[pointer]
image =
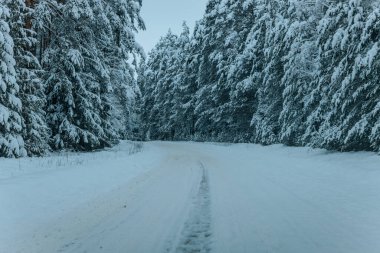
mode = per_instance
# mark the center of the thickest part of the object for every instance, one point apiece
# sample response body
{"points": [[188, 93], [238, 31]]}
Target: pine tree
{"points": [[338, 34], [299, 71], [242, 96], [156, 88], [11, 141], [28, 70], [269, 94], [144, 80], [357, 100], [233, 26], [246, 73], [190, 85], [209, 90], [181, 123], [163, 92], [122, 54], [44, 13], [77, 80]]}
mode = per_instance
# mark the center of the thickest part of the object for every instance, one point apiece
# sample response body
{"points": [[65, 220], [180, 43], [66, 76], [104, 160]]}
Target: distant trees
{"points": [[270, 71], [67, 74]]}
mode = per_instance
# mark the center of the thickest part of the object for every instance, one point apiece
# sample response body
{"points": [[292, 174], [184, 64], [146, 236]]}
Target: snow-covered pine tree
{"points": [[164, 92], [44, 13], [77, 79], [246, 73], [122, 55], [299, 70], [102, 32], [226, 25], [144, 81], [239, 67], [190, 85], [338, 35], [341, 116], [158, 80], [207, 124], [11, 141], [222, 41], [231, 28], [178, 120], [139, 131], [269, 94], [28, 70], [357, 100]]}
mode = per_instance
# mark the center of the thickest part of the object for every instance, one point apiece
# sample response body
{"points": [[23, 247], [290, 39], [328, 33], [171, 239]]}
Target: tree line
{"points": [[301, 73], [67, 74]]}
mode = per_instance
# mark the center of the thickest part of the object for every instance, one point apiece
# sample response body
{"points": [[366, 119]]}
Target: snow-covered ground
{"points": [[190, 197]]}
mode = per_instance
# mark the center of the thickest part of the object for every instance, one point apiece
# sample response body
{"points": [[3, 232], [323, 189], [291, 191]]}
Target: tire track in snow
{"points": [[196, 233]]}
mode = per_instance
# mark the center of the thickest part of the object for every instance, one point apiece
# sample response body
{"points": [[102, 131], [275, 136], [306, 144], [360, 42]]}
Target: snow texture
{"points": [[191, 197]]}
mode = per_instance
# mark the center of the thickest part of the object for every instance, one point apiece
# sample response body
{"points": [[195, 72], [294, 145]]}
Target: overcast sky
{"points": [[160, 15]]}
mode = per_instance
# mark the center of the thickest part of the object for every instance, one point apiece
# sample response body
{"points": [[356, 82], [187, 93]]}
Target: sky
{"points": [[160, 15]]}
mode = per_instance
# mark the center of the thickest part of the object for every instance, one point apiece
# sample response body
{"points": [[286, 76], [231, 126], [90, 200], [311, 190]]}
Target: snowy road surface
{"points": [[188, 197]]}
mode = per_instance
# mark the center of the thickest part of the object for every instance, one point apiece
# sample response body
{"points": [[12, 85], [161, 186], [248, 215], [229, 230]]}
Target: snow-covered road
{"points": [[190, 197]]}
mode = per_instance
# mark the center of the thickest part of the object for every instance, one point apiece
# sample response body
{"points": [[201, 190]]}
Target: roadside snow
{"points": [[190, 197]]}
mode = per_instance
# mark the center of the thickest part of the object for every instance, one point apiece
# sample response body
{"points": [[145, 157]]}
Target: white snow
{"points": [[190, 197]]}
